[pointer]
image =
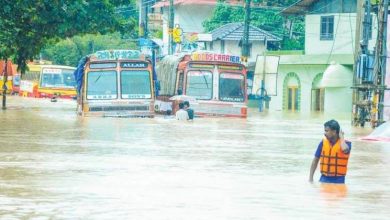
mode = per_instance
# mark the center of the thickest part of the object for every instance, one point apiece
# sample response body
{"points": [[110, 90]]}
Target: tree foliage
{"points": [[27, 26], [69, 51], [264, 17]]}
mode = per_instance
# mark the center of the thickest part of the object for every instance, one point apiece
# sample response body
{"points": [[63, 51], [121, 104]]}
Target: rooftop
{"points": [[234, 31], [298, 8]]}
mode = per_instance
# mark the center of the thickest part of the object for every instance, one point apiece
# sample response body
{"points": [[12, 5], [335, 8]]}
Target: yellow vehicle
{"points": [[115, 83], [48, 81]]}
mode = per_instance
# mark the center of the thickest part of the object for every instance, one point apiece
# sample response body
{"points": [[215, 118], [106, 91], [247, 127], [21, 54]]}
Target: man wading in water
{"points": [[333, 152]]}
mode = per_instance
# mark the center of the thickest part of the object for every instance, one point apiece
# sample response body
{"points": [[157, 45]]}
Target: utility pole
{"points": [[170, 27], [5, 79], [146, 20], [140, 19], [143, 18], [245, 37], [383, 59], [370, 69]]}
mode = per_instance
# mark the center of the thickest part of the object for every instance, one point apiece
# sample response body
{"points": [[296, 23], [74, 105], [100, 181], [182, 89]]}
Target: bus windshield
{"points": [[102, 85], [135, 84], [57, 78], [199, 84], [231, 87]]}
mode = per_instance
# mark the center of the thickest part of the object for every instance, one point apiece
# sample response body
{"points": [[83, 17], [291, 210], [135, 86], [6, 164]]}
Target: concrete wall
{"points": [[189, 17], [231, 47], [344, 34], [338, 100], [306, 75]]}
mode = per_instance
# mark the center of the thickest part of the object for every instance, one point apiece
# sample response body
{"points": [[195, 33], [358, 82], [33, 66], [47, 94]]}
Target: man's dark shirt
{"points": [[190, 114]]}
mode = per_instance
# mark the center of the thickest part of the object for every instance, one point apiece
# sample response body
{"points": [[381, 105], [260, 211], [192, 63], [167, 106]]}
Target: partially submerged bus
{"points": [[115, 83], [48, 81], [215, 84]]}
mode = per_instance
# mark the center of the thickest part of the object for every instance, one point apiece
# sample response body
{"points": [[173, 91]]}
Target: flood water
{"points": [[57, 165]]}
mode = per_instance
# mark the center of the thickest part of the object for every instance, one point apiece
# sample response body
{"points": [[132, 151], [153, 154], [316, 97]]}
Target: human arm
{"points": [[344, 146], [313, 168]]}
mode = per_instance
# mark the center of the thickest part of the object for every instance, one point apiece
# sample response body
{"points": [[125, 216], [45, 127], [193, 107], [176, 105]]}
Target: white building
{"points": [[301, 84], [189, 15], [227, 38]]}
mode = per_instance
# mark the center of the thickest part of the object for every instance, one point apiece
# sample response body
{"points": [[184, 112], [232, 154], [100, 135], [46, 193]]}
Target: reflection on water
{"points": [[55, 165]]}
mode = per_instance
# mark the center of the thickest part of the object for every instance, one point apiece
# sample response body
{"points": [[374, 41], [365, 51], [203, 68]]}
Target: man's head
{"points": [[186, 104], [332, 129], [181, 105]]}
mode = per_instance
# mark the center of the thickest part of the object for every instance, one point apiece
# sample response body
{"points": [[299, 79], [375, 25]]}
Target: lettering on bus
{"points": [[134, 65], [116, 54], [136, 96], [52, 71], [230, 67], [215, 57], [201, 66]]}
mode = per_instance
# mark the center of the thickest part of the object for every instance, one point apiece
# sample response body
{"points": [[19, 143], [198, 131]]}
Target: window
{"points": [[327, 27], [136, 84], [231, 87], [199, 84], [62, 79], [222, 46], [102, 85]]}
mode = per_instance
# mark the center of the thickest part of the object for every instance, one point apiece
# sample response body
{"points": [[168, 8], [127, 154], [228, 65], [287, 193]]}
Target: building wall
{"points": [[306, 75], [189, 17], [232, 47], [344, 34], [335, 99], [338, 100]]}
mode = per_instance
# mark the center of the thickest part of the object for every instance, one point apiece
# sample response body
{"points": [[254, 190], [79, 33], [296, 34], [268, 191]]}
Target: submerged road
{"points": [[57, 165]]}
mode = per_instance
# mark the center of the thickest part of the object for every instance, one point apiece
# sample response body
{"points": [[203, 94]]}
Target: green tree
{"points": [[27, 26], [69, 51], [265, 16]]}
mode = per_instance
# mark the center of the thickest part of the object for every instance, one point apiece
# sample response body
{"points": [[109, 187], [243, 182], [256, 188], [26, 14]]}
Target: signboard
{"points": [[230, 67], [266, 69], [232, 76], [136, 96], [52, 71], [102, 65], [215, 57], [134, 65], [116, 55], [195, 65], [26, 86]]}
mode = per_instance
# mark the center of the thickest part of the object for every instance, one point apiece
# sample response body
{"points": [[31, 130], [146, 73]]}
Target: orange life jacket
{"points": [[333, 160]]}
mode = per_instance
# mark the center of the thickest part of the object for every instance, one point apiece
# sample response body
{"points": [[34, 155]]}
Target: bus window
{"points": [[102, 85], [199, 84], [57, 78], [135, 84], [180, 83], [231, 87], [69, 80]]}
